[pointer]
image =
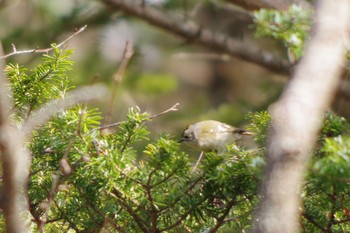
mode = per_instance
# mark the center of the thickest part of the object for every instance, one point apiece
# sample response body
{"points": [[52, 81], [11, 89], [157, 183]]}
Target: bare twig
{"points": [[15, 162], [194, 32], [198, 161], [47, 205], [298, 115], [172, 109], [16, 52], [118, 77]]}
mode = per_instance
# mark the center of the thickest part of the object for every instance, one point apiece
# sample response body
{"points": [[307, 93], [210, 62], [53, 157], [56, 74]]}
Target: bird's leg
{"points": [[198, 161]]}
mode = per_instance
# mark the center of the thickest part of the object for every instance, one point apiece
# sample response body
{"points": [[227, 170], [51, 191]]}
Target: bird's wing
{"points": [[223, 128]]}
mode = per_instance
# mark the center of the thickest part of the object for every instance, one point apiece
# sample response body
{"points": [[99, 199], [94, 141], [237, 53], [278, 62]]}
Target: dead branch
{"points": [[118, 77], [191, 31], [297, 118], [270, 4], [172, 109], [16, 52]]}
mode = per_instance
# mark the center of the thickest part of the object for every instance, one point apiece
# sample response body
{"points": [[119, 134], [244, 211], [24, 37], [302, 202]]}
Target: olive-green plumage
{"points": [[211, 135]]}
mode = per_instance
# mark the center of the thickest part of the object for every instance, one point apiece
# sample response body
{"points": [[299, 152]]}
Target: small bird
{"points": [[211, 135]]}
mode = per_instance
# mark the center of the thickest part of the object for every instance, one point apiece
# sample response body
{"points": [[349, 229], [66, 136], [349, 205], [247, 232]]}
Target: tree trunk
{"points": [[297, 118]]}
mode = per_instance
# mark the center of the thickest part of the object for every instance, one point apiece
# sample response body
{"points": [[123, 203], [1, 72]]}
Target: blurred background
{"points": [[165, 69]]}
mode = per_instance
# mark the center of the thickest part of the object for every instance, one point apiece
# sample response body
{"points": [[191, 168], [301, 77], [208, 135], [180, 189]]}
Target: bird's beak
{"points": [[247, 133], [182, 139], [242, 132]]}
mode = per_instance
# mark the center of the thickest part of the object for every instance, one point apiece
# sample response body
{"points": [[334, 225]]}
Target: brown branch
{"points": [[139, 182], [165, 179], [100, 213], [188, 190], [16, 52], [66, 218], [124, 204], [172, 109], [238, 217], [297, 118], [270, 4], [153, 212], [333, 210], [197, 162], [311, 220], [128, 53], [184, 215], [221, 219], [56, 180], [15, 162], [47, 206], [193, 32]]}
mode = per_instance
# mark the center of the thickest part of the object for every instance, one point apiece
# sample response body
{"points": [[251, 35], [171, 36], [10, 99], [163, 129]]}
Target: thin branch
{"points": [[100, 213], [238, 217], [43, 219], [124, 204], [16, 52], [311, 220], [184, 215], [193, 32], [333, 210], [176, 200], [139, 182], [172, 109], [153, 212], [221, 219], [165, 178], [198, 161], [66, 218], [118, 77], [56, 178]]}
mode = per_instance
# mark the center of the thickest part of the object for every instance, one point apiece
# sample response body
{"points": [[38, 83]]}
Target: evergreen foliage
{"points": [[290, 27], [83, 180]]}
